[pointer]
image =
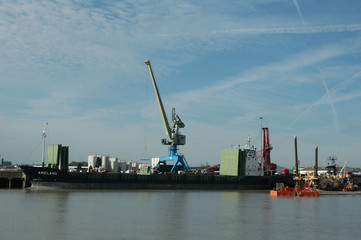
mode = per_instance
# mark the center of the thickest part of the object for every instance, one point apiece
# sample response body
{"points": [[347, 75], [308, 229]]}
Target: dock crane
{"points": [[174, 138], [266, 151]]}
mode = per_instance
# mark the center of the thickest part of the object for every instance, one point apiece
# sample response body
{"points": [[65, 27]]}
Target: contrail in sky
{"points": [[335, 89], [335, 117], [334, 112], [299, 11], [275, 30]]}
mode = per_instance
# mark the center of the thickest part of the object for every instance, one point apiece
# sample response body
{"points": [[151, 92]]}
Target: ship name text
{"points": [[47, 173]]}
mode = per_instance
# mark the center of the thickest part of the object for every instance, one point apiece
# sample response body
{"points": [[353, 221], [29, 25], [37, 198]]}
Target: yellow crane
{"points": [[174, 138]]}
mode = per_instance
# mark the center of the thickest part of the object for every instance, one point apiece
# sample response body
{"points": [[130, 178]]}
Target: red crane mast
{"points": [[266, 151]]}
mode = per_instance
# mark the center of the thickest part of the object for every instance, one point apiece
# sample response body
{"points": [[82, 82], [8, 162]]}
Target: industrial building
{"points": [[107, 163], [5, 163]]}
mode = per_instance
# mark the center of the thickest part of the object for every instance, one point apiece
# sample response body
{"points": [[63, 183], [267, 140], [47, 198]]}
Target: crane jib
{"points": [[160, 104]]}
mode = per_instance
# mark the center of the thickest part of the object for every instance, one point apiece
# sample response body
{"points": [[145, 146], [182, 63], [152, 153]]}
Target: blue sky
{"points": [[79, 65]]}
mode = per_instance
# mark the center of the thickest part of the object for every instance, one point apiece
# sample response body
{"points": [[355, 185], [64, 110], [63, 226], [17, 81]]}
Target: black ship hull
{"points": [[42, 177]]}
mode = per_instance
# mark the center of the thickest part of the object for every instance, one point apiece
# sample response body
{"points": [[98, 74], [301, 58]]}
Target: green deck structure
{"points": [[233, 162], [58, 156]]}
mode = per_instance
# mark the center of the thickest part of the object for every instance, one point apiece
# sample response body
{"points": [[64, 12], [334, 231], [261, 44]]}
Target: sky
{"points": [[79, 66]]}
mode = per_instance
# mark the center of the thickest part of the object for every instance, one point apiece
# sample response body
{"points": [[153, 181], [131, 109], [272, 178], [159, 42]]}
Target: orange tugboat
{"points": [[282, 191], [304, 191]]}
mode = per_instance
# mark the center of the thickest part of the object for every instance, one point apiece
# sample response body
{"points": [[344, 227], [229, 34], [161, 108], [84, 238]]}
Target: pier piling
{"points": [[11, 179]]}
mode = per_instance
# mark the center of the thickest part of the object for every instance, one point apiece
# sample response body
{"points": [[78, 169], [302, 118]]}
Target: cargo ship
{"points": [[44, 177], [239, 170]]}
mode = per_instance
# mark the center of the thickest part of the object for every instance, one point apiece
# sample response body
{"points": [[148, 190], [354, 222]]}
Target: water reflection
{"points": [[174, 215], [47, 213]]}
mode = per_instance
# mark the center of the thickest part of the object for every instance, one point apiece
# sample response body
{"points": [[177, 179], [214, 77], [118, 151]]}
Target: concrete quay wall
{"points": [[12, 179]]}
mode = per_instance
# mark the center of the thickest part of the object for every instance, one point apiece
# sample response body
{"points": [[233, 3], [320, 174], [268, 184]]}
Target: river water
{"points": [[40, 214]]}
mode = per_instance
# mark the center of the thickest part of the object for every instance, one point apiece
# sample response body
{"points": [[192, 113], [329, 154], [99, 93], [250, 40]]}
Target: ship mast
{"points": [[43, 149]]}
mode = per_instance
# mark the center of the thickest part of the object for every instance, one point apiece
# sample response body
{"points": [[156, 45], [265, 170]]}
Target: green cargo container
{"points": [[242, 162], [58, 156], [233, 162], [144, 170]]}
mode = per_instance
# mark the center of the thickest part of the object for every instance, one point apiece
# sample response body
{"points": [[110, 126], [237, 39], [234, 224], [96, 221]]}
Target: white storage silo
{"points": [[105, 163], [155, 162], [114, 164], [123, 166], [92, 161]]}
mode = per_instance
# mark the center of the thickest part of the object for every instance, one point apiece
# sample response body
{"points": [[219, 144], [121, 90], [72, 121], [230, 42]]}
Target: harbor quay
{"points": [[13, 179]]}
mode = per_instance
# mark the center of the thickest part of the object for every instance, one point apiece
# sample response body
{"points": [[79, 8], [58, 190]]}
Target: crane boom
{"points": [[344, 166], [160, 105]]}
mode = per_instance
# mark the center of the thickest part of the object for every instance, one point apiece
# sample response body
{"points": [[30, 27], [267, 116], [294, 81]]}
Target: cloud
{"points": [[260, 73]]}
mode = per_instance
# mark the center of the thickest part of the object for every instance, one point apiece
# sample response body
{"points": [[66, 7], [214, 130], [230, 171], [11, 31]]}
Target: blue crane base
{"points": [[173, 156]]}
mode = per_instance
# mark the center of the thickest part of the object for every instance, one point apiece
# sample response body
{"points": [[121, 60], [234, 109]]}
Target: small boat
{"points": [[307, 192], [282, 191]]}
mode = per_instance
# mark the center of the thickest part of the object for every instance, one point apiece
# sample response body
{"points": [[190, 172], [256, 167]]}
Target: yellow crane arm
{"points": [[160, 104]]}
